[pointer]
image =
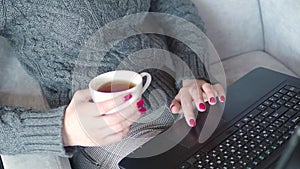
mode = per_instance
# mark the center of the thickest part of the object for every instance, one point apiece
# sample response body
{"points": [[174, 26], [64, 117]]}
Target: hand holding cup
{"points": [[109, 117]]}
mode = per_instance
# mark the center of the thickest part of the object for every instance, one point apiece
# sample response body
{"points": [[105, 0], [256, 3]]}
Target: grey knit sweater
{"points": [[48, 36]]}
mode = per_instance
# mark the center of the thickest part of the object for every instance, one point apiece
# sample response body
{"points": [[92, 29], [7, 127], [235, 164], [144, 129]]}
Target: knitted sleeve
{"points": [[197, 64], [23, 130]]}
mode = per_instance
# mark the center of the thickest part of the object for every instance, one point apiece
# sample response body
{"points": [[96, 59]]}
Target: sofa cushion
{"points": [[281, 19], [233, 26], [237, 66]]}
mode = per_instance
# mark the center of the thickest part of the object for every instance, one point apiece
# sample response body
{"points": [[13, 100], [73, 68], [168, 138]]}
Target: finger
{"points": [[112, 138], [130, 113], [197, 95], [82, 95], [108, 105], [95, 133], [107, 132], [220, 92], [187, 108], [121, 126], [175, 106], [119, 136], [209, 92], [134, 111], [90, 115]]}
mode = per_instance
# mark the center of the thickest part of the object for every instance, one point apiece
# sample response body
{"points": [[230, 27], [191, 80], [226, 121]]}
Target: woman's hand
{"points": [[196, 92], [86, 123]]}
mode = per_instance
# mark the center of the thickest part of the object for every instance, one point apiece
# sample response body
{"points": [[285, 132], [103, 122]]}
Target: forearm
{"points": [[23, 130], [193, 61], [180, 8]]}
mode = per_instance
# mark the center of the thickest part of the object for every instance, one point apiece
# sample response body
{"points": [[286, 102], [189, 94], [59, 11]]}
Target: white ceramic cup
{"points": [[119, 75]]}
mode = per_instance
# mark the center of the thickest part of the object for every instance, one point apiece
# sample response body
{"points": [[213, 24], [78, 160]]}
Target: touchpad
{"points": [[207, 123]]}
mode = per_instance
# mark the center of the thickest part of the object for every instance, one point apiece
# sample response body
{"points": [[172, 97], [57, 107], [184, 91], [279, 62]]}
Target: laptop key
{"points": [[267, 112], [291, 94], [294, 101], [184, 165], [220, 148], [283, 129], [292, 88], [297, 108], [246, 119], [270, 140], [192, 161], [280, 142], [286, 98], [273, 99], [281, 110], [265, 134], [276, 135], [267, 151], [239, 124], [283, 91], [289, 105], [275, 106], [267, 103], [290, 113], [283, 119], [199, 155], [255, 162], [277, 123], [280, 101], [278, 95], [289, 125], [296, 119], [270, 119], [259, 118], [264, 124], [261, 107], [262, 156]]}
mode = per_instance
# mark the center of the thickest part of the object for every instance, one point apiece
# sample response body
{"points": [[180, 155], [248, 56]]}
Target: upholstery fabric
{"points": [[233, 26], [35, 161], [237, 66], [281, 20]]}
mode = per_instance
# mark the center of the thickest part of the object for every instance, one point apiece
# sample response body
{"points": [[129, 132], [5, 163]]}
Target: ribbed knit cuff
{"points": [[42, 132], [194, 72]]}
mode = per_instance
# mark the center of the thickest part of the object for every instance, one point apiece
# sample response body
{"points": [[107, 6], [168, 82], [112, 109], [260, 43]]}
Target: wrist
{"points": [[65, 127]]}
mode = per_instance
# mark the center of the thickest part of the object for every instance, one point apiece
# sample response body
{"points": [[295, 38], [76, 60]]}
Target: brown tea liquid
{"points": [[116, 86]]}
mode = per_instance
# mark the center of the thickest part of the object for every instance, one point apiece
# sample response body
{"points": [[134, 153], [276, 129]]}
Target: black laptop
{"points": [[261, 115]]}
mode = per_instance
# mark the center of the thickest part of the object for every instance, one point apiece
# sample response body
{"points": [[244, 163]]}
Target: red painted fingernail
{"points": [[171, 107], [127, 97], [142, 110], [202, 106], [212, 100], [140, 103], [222, 98], [192, 123]]}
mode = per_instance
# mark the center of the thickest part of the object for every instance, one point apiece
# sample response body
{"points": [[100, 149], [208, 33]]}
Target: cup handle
{"points": [[148, 80]]}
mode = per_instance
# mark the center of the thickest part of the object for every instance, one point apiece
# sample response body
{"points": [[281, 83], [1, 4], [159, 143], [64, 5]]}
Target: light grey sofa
{"points": [[253, 33], [245, 33]]}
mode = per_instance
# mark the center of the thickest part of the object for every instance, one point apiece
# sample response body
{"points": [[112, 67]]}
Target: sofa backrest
{"points": [[281, 22], [233, 26]]}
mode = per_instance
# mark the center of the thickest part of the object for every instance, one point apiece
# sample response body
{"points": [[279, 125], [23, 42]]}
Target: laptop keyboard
{"points": [[256, 136]]}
